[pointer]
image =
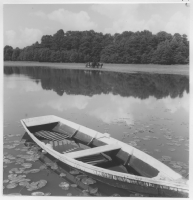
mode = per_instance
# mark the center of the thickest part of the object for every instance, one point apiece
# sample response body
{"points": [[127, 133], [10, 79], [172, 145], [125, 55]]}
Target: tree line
{"points": [[89, 83], [90, 46]]}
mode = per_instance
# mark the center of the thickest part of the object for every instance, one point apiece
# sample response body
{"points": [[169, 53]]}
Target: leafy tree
{"points": [[15, 54], [87, 46], [8, 50]]}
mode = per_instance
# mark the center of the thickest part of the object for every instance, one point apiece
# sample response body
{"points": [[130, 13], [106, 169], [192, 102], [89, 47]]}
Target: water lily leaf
{"points": [[79, 177], [74, 172], [93, 190], [5, 181], [166, 158], [27, 165], [115, 195], [43, 167], [47, 194], [11, 185], [62, 175], [73, 185], [14, 194], [32, 171], [54, 166], [37, 194], [172, 149], [24, 183], [88, 181], [64, 184], [30, 152]]}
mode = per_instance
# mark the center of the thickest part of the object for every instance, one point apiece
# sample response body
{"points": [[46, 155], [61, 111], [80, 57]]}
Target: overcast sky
{"points": [[25, 24]]}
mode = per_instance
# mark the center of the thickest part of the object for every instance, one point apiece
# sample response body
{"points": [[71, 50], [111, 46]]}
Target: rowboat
{"points": [[96, 153]]}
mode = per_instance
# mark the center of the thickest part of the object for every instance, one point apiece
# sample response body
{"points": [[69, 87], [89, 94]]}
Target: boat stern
{"points": [[35, 121]]}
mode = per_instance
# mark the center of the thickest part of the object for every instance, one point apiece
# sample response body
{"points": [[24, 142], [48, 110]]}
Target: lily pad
{"points": [[93, 190], [74, 172], [54, 166], [166, 158], [88, 181], [36, 185], [43, 167], [14, 177], [73, 185], [32, 171], [24, 183], [79, 177], [30, 152], [85, 193], [11, 185], [64, 188], [115, 195], [37, 194], [47, 194], [14, 194], [172, 149], [62, 175], [64, 184], [27, 165]]}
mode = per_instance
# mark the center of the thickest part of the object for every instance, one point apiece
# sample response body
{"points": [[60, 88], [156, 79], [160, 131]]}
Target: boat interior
{"points": [[82, 147]]}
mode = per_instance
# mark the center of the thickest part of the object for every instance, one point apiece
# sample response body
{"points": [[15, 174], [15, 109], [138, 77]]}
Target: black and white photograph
{"points": [[96, 98]]}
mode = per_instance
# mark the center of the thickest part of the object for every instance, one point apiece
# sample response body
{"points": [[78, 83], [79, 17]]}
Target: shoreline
{"points": [[124, 68]]}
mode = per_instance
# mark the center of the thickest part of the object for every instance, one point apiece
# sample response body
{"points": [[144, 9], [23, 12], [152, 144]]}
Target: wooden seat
{"points": [[51, 135], [93, 151]]}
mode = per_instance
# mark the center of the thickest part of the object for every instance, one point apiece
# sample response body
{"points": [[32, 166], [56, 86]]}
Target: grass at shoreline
{"points": [[126, 68]]}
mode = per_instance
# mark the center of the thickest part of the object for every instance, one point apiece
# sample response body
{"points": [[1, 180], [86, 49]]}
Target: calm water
{"points": [[148, 111]]}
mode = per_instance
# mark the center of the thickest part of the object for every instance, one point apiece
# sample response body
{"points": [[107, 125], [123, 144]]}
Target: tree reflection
{"points": [[89, 83]]}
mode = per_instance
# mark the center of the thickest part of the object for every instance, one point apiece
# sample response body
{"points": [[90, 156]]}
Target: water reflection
{"points": [[148, 111], [108, 96], [90, 83]]}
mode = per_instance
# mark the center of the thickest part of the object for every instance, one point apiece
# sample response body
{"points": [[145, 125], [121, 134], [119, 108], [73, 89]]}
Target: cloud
{"points": [[114, 109], [39, 14], [10, 36], [11, 85], [116, 11], [29, 36], [25, 37], [68, 102], [125, 18], [23, 88], [152, 23], [71, 21], [30, 87], [178, 23], [178, 103], [129, 18]]}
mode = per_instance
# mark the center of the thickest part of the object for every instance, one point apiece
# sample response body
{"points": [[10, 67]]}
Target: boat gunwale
{"points": [[174, 185]]}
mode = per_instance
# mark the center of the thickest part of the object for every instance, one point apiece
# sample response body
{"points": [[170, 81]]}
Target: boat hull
{"points": [[135, 183]]}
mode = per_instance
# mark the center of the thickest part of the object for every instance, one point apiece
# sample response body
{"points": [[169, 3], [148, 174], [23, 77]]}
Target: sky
{"points": [[24, 24]]}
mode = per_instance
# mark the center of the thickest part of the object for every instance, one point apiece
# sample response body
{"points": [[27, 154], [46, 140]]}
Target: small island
{"points": [[141, 47]]}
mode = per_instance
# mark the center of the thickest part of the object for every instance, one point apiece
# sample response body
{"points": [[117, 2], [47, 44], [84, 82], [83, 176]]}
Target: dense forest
{"points": [[89, 83], [88, 46]]}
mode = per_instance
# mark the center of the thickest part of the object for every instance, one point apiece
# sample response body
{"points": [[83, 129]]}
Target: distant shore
{"points": [[125, 68]]}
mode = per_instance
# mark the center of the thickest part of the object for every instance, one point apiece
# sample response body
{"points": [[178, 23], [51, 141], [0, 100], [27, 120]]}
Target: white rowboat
{"points": [[141, 172]]}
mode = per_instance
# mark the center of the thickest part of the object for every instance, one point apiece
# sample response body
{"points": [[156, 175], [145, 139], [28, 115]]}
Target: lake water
{"points": [[148, 111]]}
